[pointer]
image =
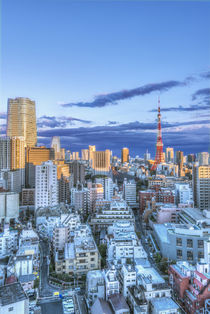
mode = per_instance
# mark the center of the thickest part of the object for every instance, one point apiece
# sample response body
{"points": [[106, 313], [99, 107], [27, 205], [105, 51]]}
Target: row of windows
{"points": [[179, 242]]}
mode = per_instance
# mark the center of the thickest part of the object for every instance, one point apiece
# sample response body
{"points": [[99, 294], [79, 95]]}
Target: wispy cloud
{"points": [[201, 96], [204, 92], [112, 98], [57, 122], [205, 75]]}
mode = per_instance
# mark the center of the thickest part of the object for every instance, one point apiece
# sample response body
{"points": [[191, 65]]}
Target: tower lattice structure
{"points": [[159, 146]]}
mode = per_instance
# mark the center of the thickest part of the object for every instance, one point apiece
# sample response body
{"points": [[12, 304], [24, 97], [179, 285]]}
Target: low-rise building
{"points": [[108, 214], [8, 242], [181, 241], [95, 286], [13, 299], [127, 278], [79, 256]]}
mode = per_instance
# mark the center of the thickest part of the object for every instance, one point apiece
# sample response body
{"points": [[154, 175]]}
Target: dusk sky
{"points": [[96, 68]]}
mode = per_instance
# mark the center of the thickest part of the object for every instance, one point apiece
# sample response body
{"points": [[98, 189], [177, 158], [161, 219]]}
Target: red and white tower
{"points": [[159, 146]]}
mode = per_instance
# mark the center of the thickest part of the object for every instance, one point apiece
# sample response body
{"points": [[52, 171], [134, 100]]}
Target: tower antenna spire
{"points": [[159, 158]]}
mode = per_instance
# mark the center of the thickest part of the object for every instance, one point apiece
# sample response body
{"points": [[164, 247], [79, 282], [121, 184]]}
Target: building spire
{"points": [[159, 145]]}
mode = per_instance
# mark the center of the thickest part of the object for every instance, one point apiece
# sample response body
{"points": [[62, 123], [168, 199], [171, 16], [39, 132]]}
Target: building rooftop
{"points": [[164, 304], [151, 273], [118, 302], [12, 293]]}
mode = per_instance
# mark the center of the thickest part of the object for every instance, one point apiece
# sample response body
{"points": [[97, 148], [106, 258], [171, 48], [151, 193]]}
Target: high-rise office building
{"points": [[124, 155], [201, 187], [77, 169], [18, 156], [91, 149], [46, 187], [5, 153], [101, 161], [21, 120], [85, 154], [36, 156], [55, 144], [75, 156], [203, 159], [169, 154], [180, 161]]}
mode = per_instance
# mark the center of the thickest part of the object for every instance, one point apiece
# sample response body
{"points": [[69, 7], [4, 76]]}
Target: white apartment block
{"points": [[183, 193], [8, 242], [108, 214], [80, 199], [201, 187], [111, 282], [61, 235], [127, 278], [45, 224], [129, 192], [79, 256], [95, 285], [46, 187], [123, 248], [9, 205], [107, 184]]}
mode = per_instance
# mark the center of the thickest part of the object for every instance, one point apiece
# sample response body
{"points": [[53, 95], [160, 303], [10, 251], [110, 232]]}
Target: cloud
{"points": [[112, 98], [202, 104], [206, 75], [3, 115], [112, 122], [188, 139], [57, 122], [181, 108], [205, 92]]}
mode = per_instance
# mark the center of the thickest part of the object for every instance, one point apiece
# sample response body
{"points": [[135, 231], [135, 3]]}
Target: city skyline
{"points": [[105, 91]]}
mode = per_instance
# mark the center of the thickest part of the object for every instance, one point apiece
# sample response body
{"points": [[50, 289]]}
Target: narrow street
{"points": [[45, 288]]}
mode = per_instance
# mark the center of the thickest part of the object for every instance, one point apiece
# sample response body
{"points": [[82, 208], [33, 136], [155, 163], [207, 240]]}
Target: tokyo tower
{"points": [[159, 146]]}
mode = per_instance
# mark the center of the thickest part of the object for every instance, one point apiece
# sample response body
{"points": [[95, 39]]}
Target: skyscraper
{"points": [[46, 190], [201, 187], [180, 161], [169, 154], [124, 155], [5, 153], [55, 143], [21, 120], [34, 157], [101, 161], [18, 156], [203, 159], [92, 149]]}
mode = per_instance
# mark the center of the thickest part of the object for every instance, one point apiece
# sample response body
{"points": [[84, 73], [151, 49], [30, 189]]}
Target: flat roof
{"points": [[164, 304], [12, 293]]}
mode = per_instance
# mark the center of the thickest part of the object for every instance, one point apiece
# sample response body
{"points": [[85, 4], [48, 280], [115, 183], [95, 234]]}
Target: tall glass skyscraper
{"points": [[21, 120]]}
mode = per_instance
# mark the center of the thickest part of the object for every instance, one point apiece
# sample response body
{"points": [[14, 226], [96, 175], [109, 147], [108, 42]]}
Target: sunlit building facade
{"points": [[21, 120]]}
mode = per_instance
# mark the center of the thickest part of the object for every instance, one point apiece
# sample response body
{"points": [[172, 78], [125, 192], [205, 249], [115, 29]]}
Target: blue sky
{"points": [[64, 53]]}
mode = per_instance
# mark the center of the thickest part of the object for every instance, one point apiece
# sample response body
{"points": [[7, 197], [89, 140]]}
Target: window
{"points": [[189, 243], [179, 254], [189, 255], [200, 244], [11, 309], [200, 254], [178, 242]]}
